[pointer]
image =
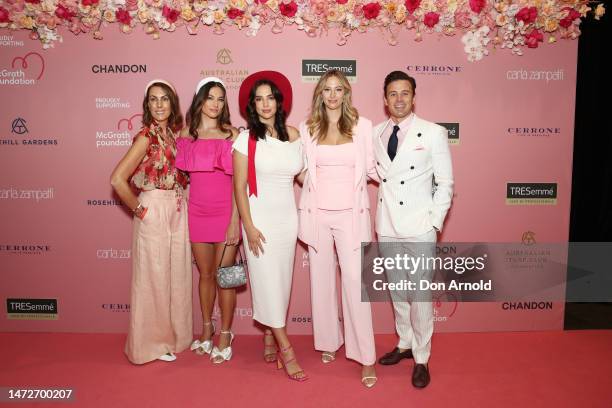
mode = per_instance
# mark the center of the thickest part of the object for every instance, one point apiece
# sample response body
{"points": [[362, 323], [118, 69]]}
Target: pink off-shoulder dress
{"points": [[209, 164]]}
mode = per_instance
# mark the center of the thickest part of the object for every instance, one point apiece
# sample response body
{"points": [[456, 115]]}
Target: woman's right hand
{"points": [[255, 239]]}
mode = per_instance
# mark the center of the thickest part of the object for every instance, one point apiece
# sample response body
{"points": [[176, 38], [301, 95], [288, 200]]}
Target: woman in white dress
{"points": [[267, 158]]}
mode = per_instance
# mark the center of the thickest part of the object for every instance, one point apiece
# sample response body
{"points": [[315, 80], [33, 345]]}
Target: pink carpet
{"points": [[536, 369]]}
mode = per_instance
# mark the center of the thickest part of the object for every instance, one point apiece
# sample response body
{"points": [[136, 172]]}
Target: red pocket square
{"points": [[419, 148]]}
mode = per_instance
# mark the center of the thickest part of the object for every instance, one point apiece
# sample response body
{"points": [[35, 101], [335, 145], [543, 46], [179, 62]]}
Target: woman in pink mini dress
{"points": [[204, 150]]}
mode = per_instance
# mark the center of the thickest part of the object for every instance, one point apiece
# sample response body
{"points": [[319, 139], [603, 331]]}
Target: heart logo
{"points": [[24, 62], [445, 303], [130, 126]]}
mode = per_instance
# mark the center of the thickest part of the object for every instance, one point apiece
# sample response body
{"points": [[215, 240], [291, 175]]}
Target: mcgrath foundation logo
{"points": [[31, 309], [433, 69], [313, 69], [24, 70], [129, 122], [444, 306], [453, 132], [531, 193], [19, 127], [224, 56], [117, 138]]}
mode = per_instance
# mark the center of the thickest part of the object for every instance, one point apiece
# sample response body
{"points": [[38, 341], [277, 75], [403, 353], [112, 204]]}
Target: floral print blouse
{"points": [[157, 169]]}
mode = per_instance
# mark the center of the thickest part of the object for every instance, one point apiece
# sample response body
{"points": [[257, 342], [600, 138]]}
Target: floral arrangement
{"points": [[483, 24]]}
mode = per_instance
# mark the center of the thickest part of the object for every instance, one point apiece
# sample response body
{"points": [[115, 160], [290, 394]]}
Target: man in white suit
{"points": [[412, 156]]}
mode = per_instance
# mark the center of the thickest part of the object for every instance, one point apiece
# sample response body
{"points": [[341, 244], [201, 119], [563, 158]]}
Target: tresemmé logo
{"points": [[453, 132], [31, 309], [531, 193], [313, 69]]}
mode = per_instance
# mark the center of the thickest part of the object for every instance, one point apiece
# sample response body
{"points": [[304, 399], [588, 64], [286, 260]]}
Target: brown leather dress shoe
{"points": [[394, 357], [420, 376]]}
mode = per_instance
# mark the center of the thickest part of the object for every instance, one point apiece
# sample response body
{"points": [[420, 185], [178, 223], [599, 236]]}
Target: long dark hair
{"points": [[255, 125], [194, 114], [175, 121]]}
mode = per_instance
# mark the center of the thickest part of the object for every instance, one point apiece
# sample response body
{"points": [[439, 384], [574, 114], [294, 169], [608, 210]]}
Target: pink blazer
{"points": [[365, 167]]}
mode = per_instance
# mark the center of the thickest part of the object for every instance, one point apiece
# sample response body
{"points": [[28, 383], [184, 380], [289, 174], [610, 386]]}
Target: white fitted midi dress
{"points": [[274, 213]]}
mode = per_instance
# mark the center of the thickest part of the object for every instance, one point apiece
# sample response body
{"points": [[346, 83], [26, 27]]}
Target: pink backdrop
{"points": [[79, 252]]}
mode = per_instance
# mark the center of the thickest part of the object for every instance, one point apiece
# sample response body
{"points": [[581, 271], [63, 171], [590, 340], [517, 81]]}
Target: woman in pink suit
{"points": [[205, 151], [334, 209]]}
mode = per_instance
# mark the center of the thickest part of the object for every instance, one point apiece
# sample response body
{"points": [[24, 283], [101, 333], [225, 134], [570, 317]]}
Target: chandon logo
{"points": [[119, 69]]}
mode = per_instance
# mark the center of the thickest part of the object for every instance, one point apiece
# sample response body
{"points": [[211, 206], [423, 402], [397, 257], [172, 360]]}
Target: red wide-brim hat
{"points": [[279, 80]]}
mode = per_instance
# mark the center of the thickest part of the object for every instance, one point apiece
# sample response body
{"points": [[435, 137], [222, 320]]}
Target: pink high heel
{"points": [[269, 357], [281, 362]]}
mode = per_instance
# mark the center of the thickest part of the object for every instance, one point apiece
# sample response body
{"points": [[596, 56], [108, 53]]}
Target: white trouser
{"points": [[413, 317]]}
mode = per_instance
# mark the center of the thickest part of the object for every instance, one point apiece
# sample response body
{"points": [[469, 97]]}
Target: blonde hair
{"points": [[318, 122]]}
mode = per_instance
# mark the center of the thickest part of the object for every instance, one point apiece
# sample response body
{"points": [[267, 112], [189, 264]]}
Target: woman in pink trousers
{"points": [[334, 209], [160, 314]]}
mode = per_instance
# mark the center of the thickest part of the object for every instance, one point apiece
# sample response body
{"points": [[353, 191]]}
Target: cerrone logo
{"points": [[433, 69], [24, 70], [539, 131], [24, 249], [313, 69], [531, 193], [224, 56]]}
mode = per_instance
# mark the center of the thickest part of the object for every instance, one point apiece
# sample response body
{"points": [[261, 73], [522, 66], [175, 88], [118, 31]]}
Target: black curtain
{"points": [[591, 207]]}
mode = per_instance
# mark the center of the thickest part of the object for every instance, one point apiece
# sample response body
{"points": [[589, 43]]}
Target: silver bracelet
{"points": [[135, 210]]}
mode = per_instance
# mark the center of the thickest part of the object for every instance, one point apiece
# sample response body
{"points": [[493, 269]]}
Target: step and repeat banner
{"points": [[69, 113]]}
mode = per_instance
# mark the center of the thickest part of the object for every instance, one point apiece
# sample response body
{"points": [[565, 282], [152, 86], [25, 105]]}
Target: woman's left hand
{"points": [[232, 235]]}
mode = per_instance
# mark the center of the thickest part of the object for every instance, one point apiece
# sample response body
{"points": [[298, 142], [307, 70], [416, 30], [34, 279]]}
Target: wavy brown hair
{"points": [[175, 121], [318, 122], [194, 114], [258, 128]]}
